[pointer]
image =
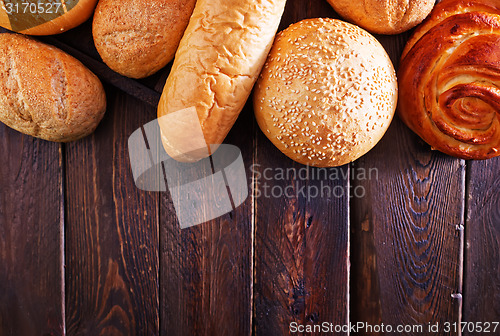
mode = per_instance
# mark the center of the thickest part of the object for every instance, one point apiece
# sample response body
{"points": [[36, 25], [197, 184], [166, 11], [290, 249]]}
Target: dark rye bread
{"points": [[136, 38], [46, 93]]}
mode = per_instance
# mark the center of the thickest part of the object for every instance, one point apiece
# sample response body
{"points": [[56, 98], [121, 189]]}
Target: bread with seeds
{"points": [[327, 93], [46, 93], [136, 38]]}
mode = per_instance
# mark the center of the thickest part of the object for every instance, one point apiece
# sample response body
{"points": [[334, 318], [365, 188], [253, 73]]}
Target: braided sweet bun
{"points": [[449, 79]]}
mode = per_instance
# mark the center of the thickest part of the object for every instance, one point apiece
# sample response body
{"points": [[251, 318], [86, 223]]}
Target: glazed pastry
{"points": [[449, 79]]}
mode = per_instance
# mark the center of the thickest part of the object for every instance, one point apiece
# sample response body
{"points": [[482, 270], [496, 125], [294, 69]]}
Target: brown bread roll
{"points": [[136, 38], [218, 61], [450, 79], [327, 93], [46, 93], [384, 17], [44, 17]]}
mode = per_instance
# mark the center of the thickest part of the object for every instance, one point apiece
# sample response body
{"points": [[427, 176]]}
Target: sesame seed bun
{"points": [[327, 92]]}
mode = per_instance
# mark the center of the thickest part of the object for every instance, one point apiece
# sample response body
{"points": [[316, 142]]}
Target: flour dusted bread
{"points": [[327, 93], [44, 17], [46, 93], [218, 61], [384, 16], [136, 38]]}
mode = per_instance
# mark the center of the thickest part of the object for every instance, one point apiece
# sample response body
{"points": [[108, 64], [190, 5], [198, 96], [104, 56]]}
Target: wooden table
{"points": [[85, 252]]}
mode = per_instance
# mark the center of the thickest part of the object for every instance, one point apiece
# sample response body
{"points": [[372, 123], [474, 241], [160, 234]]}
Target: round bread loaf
{"points": [[46, 93], [327, 93], [136, 38], [450, 79], [384, 17], [44, 17]]}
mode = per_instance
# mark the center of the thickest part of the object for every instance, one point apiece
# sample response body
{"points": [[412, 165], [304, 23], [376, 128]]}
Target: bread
{"points": [[218, 61], [384, 17], [47, 93], [327, 93], [450, 92], [44, 17], [136, 38]]}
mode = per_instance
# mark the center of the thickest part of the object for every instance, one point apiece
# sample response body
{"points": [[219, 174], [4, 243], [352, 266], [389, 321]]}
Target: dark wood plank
{"points": [[31, 236], [407, 232], [409, 227], [301, 241], [301, 245], [206, 270], [482, 275], [111, 231]]}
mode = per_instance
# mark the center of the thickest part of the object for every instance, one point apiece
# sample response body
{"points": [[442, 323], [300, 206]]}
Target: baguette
{"points": [[216, 65], [45, 92]]}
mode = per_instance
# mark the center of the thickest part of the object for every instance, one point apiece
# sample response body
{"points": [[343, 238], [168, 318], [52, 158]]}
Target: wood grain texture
{"points": [[301, 241], [206, 271], [111, 232], [31, 236], [410, 225], [301, 245], [482, 273]]}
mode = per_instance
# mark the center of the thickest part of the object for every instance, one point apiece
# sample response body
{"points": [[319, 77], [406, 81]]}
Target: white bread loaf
{"points": [[216, 65]]}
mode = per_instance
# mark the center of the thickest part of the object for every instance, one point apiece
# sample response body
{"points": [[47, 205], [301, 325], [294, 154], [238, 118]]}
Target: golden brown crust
{"points": [[384, 16], [46, 93], [450, 92], [327, 93], [136, 38], [218, 61], [74, 17]]}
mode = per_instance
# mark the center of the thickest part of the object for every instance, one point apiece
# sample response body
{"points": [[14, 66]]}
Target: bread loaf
{"points": [[449, 79], [218, 61], [136, 38], [44, 17], [384, 17], [327, 93], [47, 93]]}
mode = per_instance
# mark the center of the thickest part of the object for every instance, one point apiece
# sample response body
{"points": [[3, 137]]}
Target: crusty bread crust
{"points": [[136, 38], [218, 61], [74, 17], [382, 16], [46, 93]]}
